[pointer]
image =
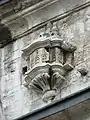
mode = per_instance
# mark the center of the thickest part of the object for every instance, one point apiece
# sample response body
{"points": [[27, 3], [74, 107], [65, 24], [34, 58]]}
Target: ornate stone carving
{"points": [[47, 84], [40, 83], [45, 55], [47, 69]]}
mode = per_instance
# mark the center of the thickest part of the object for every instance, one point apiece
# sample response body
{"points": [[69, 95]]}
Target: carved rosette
{"points": [[50, 57]]}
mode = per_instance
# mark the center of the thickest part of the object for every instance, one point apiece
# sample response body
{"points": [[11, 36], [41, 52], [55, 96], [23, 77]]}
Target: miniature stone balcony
{"points": [[48, 60]]}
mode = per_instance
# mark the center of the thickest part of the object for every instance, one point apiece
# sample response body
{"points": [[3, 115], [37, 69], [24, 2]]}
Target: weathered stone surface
{"points": [[83, 71], [73, 29]]}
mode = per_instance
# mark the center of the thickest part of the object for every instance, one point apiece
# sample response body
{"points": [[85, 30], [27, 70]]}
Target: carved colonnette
{"points": [[48, 59]]}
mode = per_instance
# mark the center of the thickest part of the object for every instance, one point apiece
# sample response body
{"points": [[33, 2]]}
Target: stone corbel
{"points": [[45, 80], [47, 84], [47, 77]]}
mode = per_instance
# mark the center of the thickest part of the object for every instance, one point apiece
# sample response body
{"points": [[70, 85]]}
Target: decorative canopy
{"points": [[48, 59]]}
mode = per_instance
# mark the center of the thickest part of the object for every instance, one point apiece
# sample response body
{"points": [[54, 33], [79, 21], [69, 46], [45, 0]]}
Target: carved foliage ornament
{"points": [[47, 84]]}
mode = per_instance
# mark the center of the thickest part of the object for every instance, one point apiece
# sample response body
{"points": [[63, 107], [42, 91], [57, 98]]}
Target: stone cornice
{"points": [[14, 6], [32, 11], [54, 19], [11, 15]]}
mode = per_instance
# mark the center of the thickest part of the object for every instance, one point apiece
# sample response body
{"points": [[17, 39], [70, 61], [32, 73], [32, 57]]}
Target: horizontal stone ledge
{"points": [[58, 106], [43, 68], [31, 8], [44, 23], [53, 19]]}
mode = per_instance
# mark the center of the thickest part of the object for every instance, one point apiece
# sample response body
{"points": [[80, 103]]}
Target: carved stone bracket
{"points": [[45, 79], [48, 58]]}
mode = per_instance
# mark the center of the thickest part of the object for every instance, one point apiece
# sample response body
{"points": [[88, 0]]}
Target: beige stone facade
{"points": [[45, 54]]}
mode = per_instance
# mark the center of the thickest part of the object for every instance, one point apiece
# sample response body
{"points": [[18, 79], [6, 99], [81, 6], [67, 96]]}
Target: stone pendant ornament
{"points": [[54, 59]]}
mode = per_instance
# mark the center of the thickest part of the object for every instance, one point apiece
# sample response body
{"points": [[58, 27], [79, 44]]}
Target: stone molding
{"points": [[49, 42], [43, 68], [27, 30], [54, 19], [26, 10]]}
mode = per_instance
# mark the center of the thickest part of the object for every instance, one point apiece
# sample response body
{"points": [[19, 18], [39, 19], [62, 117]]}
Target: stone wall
{"points": [[16, 99]]}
